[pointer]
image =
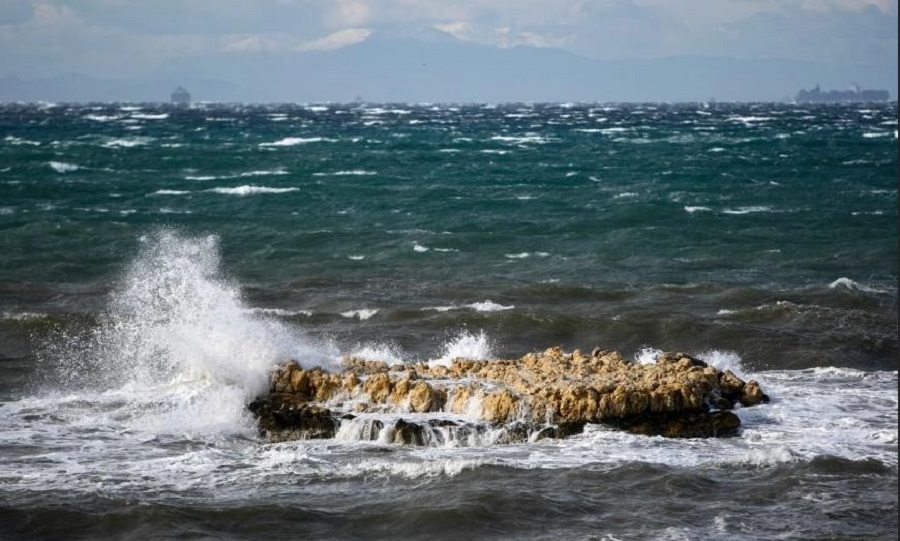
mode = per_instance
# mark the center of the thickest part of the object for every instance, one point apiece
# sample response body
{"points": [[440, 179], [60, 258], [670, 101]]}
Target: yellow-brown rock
{"points": [[673, 396]]}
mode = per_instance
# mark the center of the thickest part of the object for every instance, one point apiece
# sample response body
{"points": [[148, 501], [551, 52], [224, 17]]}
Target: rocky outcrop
{"points": [[548, 394]]}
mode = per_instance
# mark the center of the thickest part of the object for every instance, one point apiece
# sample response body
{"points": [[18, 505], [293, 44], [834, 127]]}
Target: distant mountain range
{"points": [[407, 70]]}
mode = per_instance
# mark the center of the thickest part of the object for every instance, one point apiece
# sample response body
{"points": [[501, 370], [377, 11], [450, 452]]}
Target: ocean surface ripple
{"points": [[159, 261]]}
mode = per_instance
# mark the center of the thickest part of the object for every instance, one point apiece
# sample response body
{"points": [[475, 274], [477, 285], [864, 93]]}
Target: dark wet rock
{"points": [[283, 417]]}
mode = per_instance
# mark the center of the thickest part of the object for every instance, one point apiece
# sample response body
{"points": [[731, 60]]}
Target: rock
{"points": [[693, 425], [542, 394], [282, 417]]}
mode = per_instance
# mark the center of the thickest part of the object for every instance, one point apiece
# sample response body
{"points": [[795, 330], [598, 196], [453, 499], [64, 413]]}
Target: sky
{"points": [[135, 38]]}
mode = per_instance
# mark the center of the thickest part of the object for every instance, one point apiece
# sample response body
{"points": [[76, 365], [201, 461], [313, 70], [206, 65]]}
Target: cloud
{"points": [[109, 37], [336, 40]]}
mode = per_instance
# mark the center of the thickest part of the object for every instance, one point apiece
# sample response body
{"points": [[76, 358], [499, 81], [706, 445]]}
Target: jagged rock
{"points": [[546, 394], [282, 417]]}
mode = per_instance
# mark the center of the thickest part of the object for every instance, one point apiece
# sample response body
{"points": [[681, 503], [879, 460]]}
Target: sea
{"points": [[156, 263]]}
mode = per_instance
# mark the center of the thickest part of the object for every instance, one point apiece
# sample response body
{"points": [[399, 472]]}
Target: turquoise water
{"points": [[149, 247], [766, 229]]}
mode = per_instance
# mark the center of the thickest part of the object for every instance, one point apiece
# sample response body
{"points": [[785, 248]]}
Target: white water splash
{"points": [[647, 356], [387, 353], [464, 345], [852, 284], [178, 341]]}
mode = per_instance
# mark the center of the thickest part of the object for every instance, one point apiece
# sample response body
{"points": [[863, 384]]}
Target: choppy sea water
{"points": [[158, 262]]}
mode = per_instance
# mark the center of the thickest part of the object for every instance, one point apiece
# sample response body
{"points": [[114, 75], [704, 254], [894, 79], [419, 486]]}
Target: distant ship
{"points": [[181, 97], [854, 94]]}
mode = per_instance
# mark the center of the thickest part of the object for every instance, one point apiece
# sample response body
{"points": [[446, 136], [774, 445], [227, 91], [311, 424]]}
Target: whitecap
{"points": [[852, 284], [149, 116], [489, 306], [692, 210], [263, 173], [441, 308], [747, 210], [293, 141], [353, 172], [170, 192], [128, 143], [19, 141], [251, 190], [63, 167], [102, 118], [362, 314], [522, 140]]}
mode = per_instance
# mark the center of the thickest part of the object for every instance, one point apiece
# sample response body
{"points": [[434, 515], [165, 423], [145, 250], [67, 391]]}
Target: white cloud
{"points": [[336, 40], [107, 37]]}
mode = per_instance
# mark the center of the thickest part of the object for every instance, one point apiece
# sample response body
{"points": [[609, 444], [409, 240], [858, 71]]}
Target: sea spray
{"points": [[465, 345], [177, 335]]}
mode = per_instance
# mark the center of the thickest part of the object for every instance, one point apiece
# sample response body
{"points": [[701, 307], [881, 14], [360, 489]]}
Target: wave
{"points": [[170, 192], [128, 142], [485, 306], [63, 167], [352, 172], [150, 116], [878, 134], [747, 210], [102, 118], [524, 255], [522, 140], [19, 141], [250, 190], [362, 314], [847, 283], [175, 330], [489, 306], [259, 173], [281, 312], [294, 141]]}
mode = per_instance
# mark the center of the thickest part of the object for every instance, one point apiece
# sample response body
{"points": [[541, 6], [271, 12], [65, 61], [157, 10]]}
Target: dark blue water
{"points": [[157, 261]]}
